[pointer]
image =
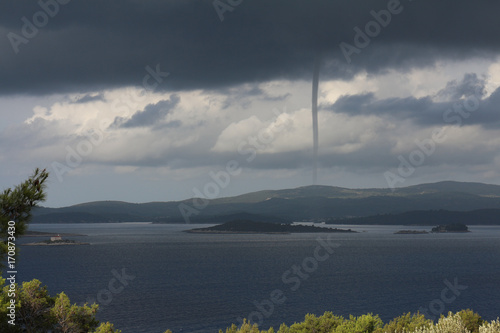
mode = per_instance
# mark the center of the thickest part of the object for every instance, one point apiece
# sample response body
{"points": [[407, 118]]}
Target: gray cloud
{"points": [[247, 94], [94, 44], [470, 85], [151, 115], [427, 112], [89, 98], [423, 110]]}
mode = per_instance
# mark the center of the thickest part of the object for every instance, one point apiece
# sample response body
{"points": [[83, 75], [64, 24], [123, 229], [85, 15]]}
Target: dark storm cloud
{"points": [[151, 115], [464, 105], [94, 44]]}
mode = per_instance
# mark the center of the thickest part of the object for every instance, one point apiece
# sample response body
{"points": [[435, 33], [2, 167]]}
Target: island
{"points": [[411, 232], [457, 227], [254, 227], [56, 240]]}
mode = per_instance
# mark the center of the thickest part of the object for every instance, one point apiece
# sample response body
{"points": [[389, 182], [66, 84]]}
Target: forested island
{"points": [[411, 232], [254, 227], [456, 227]]}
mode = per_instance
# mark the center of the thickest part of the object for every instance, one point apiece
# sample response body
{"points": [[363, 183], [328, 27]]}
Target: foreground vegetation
{"points": [[37, 311], [465, 321]]}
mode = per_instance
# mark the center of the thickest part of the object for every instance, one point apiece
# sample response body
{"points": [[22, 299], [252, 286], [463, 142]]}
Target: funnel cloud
{"points": [[315, 118]]}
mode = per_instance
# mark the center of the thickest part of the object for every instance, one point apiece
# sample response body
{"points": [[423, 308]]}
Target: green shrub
{"points": [[451, 324], [465, 321], [246, 327], [471, 320], [407, 322], [363, 324], [37, 311], [323, 324], [107, 328], [493, 327]]}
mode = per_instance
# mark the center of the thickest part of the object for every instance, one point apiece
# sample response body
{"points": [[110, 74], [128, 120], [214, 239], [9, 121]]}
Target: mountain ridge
{"points": [[313, 202]]}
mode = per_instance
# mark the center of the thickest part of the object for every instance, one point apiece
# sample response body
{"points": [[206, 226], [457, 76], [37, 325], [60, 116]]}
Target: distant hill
{"points": [[299, 204]]}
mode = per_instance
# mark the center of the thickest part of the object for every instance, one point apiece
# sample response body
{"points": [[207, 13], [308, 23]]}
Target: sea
{"points": [[152, 277]]}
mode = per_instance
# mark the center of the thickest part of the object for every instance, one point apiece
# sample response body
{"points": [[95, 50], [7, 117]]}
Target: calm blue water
{"points": [[203, 283]]}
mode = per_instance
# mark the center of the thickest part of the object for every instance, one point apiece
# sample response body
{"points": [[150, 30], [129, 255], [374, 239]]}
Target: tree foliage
{"points": [[471, 320], [325, 323], [406, 323], [34, 305], [71, 318], [107, 328], [38, 312], [16, 205], [492, 327], [465, 321], [246, 327]]}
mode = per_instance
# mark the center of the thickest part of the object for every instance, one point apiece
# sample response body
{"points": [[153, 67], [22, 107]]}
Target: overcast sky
{"points": [[140, 101]]}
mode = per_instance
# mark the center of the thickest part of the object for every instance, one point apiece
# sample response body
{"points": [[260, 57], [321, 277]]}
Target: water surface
{"points": [[203, 283]]}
